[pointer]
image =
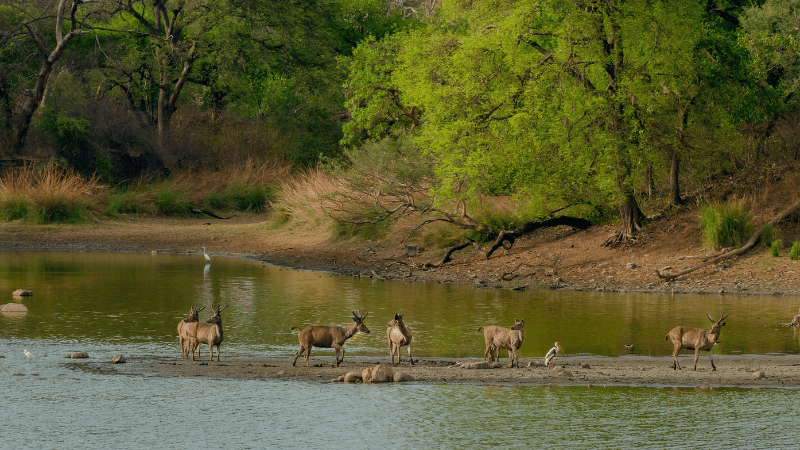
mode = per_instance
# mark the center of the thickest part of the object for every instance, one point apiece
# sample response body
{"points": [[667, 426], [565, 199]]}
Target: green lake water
{"points": [[130, 303]]}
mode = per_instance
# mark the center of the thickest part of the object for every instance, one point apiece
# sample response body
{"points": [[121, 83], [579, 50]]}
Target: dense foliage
{"points": [[554, 103]]}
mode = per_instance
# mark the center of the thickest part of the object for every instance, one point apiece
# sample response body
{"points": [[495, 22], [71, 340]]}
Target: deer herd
{"points": [[192, 333]]}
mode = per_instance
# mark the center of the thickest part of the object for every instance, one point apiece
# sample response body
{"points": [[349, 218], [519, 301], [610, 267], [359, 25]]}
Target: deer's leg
{"points": [[696, 357], [308, 354], [296, 354], [338, 349], [675, 363], [512, 357], [409, 355], [713, 367]]}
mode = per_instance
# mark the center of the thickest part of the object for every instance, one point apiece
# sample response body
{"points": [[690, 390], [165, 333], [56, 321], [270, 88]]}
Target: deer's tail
{"points": [[480, 328]]}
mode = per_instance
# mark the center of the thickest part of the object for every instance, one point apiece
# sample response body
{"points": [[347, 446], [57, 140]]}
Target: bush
{"points": [[794, 253], [769, 235], [775, 247], [726, 224]]}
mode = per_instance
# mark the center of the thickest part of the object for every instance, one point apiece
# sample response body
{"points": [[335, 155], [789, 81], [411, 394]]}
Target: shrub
{"points": [[770, 234], [794, 253], [775, 247], [726, 224]]}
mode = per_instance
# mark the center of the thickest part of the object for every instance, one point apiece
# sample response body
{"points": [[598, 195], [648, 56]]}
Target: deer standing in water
{"points": [[328, 337]]}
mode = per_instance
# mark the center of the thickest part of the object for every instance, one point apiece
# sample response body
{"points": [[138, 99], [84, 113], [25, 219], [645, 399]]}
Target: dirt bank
{"points": [[556, 258], [779, 371]]}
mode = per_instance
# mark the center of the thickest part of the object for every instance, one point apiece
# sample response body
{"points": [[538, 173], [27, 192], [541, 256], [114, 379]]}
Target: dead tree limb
{"points": [[736, 252], [509, 236], [449, 253]]}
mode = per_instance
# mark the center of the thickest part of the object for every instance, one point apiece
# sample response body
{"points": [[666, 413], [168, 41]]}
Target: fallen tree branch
{"points": [[739, 251], [449, 253], [509, 236]]}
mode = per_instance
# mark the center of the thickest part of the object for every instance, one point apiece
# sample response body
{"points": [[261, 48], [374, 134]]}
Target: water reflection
{"points": [[140, 298]]}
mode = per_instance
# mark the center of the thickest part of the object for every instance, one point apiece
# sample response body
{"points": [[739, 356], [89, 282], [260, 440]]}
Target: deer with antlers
{"points": [[328, 337], [209, 332], [695, 339]]}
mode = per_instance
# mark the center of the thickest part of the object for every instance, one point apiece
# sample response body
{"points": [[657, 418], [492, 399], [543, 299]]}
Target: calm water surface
{"points": [[129, 303]]}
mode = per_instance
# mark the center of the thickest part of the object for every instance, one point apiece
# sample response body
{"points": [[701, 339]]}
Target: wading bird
{"points": [[208, 258], [28, 354], [550, 357]]}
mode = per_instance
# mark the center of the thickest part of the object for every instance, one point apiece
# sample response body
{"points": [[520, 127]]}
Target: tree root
{"points": [[736, 252]]}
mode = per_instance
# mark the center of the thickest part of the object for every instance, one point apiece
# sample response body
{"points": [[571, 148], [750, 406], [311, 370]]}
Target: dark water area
{"points": [[107, 304]]}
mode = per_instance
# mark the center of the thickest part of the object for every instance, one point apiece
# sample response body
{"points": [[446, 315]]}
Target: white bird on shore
{"points": [[28, 354], [208, 258], [550, 357]]}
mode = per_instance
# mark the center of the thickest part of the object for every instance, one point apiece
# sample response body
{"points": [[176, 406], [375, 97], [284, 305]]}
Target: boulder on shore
{"points": [[77, 355], [22, 293]]}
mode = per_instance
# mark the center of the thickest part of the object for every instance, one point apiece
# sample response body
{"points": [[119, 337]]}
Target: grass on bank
{"points": [[726, 224], [51, 193]]}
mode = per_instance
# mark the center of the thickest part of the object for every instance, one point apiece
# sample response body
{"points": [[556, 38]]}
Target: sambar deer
{"points": [[398, 335], [183, 338], [209, 332], [510, 339], [328, 337], [695, 339]]}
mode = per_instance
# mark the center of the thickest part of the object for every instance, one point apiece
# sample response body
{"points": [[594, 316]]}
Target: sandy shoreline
{"points": [[732, 371]]}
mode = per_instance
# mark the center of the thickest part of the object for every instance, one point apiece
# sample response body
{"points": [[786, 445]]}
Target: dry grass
{"points": [[52, 192], [199, 183], [302, 196]]}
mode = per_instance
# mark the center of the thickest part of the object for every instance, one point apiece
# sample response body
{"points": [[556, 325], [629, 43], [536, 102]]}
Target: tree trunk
{"points": [[674, 187], [630, 214]]}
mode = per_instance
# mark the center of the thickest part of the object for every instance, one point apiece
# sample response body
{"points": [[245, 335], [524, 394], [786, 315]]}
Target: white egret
{"points": [[628, 348], [28, 354], [208, 258], [550, 357]]}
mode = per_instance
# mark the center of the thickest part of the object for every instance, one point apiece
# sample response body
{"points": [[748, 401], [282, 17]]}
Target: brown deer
{"points": [[183, 338], [398, 335], [328, 337], [695, 339], [209, 332], [508, 338]]}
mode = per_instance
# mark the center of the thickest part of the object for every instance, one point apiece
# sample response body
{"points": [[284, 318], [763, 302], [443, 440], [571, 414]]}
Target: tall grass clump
{"points": [[300, 198], [770, 234], [171, 201], [127, 201], [726, 224], [48, 193], [775, 247], [794, 253], [13, 207], [246, 186]]}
